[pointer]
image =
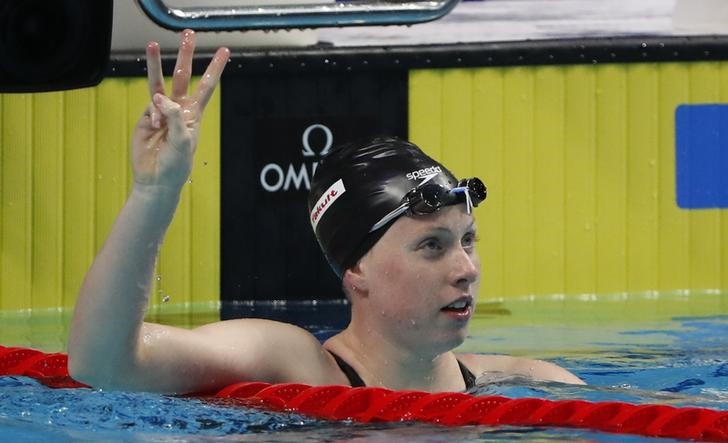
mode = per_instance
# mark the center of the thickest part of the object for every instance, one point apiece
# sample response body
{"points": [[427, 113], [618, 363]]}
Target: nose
{"points": [[466, 268]]}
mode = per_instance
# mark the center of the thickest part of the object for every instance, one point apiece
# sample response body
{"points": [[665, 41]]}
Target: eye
{"points": [[432, 244], [431, 247], [469, 239]]}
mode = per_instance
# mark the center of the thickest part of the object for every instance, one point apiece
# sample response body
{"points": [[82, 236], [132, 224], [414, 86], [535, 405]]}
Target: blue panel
{"points": [[701, 156]]}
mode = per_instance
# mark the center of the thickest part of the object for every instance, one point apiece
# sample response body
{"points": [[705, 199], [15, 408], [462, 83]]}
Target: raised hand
{"points": [[105, 346], [166, 135]]}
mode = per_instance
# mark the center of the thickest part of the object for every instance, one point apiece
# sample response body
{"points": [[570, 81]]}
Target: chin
{"points": [[452, 342], [459, 341]]}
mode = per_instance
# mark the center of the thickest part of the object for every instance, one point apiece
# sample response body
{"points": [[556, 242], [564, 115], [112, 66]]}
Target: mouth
{"points": [[461, 305]]}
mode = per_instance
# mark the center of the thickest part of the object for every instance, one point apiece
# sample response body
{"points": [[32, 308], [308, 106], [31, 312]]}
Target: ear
{"points": [[355, 279]]}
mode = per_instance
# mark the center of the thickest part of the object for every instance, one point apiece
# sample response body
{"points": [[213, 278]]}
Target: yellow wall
{"points": [[580, 166], [579, 161], [64, 174]]}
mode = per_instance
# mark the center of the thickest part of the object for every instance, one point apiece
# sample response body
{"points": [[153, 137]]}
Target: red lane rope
{"points": [[445, 408]]}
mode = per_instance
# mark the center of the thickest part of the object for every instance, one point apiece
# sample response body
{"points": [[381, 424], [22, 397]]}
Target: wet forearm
{"points": [[114, 296]]}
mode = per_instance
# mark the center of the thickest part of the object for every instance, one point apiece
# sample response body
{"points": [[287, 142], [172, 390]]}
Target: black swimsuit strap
{"points": [[468, 376], [356, 382]]}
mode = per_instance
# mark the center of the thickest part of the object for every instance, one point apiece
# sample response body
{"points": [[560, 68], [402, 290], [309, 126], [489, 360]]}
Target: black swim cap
{"points": [[357, 184]]}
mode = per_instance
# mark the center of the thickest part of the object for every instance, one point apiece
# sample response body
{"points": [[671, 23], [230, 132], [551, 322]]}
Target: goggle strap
{"points": [[468, 201], [396, 212]]}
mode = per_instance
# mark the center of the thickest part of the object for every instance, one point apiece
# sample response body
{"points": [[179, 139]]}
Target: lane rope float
{"points": [[367, 405]]}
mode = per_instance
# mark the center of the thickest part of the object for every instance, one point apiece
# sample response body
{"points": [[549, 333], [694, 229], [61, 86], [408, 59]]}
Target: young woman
{"points": [[395, 225]]}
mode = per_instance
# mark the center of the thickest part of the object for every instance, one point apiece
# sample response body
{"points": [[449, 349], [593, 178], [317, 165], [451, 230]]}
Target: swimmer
{"points": [[395, 225]]}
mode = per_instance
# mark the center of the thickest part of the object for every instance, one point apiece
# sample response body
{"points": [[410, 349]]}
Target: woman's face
{"points": [[421, 279]]}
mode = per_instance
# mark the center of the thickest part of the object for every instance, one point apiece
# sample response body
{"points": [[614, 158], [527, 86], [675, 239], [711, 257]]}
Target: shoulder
{"points": [[481, 364]]}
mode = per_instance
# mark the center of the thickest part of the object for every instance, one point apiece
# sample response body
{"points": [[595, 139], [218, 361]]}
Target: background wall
{"points": [[64, 174], [579, 160]]}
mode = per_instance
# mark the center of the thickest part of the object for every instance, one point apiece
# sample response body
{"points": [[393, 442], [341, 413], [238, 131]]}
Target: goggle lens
{"points": [[477, 189], [430, 197]]}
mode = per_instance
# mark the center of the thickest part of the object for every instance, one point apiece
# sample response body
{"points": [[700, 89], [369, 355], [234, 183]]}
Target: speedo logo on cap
{"points": [[325, 201], [425, 174]]}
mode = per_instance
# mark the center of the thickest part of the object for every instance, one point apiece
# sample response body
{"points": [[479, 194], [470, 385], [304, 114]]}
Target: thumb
{"points": [[173, 113]]}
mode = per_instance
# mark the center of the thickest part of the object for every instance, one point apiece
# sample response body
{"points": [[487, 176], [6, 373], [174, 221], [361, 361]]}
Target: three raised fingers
{"points": [[183, 72]]}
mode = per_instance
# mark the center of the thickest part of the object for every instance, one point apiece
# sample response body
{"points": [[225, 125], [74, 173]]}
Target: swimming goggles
{"points": [[430, 197]]}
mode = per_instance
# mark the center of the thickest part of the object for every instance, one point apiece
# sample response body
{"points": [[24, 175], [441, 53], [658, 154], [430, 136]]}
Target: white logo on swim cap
{"points": [[425, 174], [325, 201]]}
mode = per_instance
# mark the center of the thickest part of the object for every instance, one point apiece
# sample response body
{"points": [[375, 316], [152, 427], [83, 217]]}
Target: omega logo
{"points": [[275, 177]]}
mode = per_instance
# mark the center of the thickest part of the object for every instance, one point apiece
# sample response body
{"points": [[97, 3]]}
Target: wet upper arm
{"points": [[212, 356], [279, 352]]}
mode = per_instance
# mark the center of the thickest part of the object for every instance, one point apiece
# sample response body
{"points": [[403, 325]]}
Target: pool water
{"points": [[646, 348]]}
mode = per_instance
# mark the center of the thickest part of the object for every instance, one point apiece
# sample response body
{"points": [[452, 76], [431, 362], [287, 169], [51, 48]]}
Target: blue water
{"points": [[679, 361]]}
